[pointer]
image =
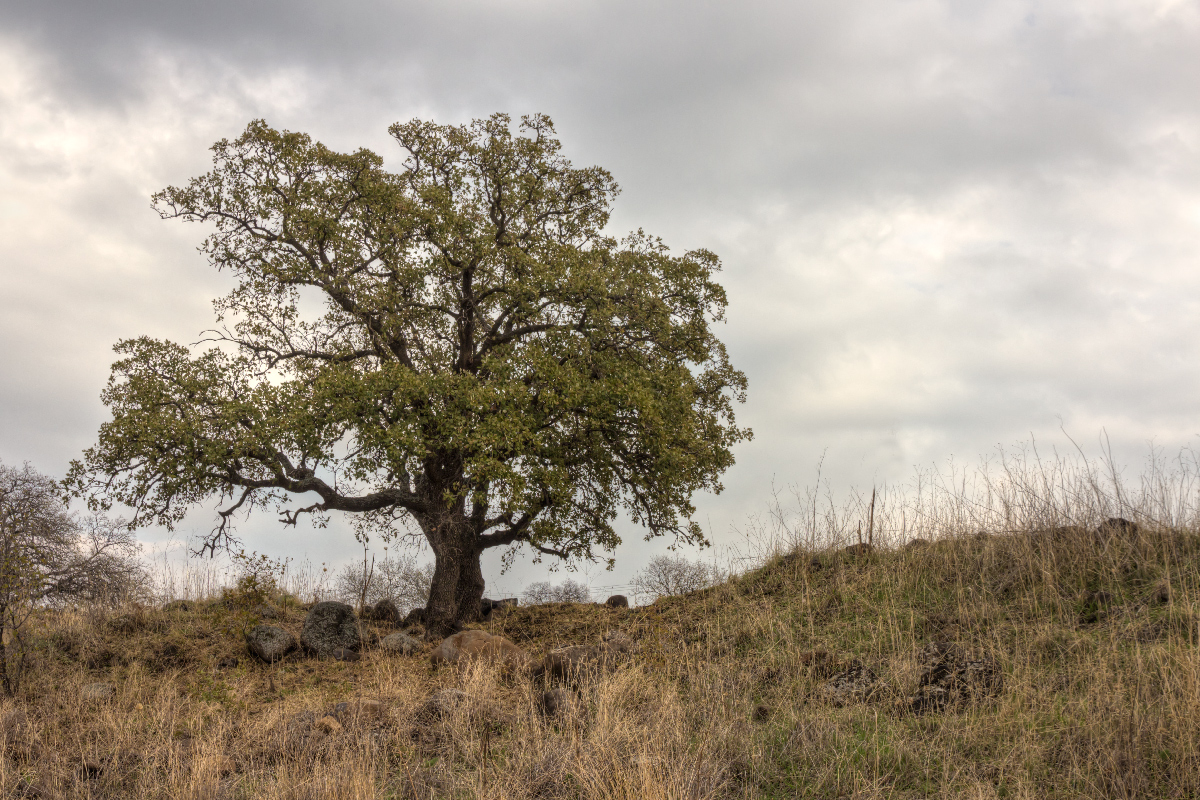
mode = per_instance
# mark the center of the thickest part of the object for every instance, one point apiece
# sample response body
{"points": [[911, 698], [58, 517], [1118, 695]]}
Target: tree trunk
{"points": [[457, 585]]}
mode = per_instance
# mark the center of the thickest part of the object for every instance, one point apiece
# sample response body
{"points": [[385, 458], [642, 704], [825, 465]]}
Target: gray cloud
{"points": [[945, 225]]}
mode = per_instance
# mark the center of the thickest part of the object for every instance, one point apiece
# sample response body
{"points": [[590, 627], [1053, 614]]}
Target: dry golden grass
{"points": [[1099, 701]]}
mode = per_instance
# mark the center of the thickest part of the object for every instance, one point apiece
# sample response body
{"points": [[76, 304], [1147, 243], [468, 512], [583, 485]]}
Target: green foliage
{"points": [[489, 363]]}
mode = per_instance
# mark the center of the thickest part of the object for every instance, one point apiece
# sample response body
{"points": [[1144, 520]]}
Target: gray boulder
{"points": [[269, 643], [330, 627], [384, 611], [399, 643]]}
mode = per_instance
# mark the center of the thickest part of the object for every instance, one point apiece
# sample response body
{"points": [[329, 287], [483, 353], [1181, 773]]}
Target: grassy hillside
{"points": [[1094, 638]]}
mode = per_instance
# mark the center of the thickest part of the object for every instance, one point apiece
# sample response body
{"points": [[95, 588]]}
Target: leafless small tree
{"points": [[396, 578], [50, 557], [669, 575], [566, 592]]}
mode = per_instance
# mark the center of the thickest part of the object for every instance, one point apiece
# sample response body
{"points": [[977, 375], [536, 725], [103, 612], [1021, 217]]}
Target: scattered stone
{"points": [[98, 691], [229, 662], [359, 711], [342, 654], [761, 713], [223, 765], [617, 601], [124, 623], [472, 644], [860, 550], [820, 664], [952, 679], [384, 611], [328, 724], [1117, 527], [20, 738], [1161, 594], [555, 702], [580, 661], [858, 684], [400, 643], [265, 611], [330, 626], [487, 607], [1096, 607], [441, 704], [269, 643]]}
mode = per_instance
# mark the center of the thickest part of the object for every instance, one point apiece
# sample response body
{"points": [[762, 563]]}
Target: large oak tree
{"points": [[457, 344]]}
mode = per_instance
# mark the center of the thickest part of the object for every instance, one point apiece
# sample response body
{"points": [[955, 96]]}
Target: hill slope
{"points": [[1058, 663]]}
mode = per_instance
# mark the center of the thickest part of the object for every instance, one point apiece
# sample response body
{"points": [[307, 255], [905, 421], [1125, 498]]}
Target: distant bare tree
{"points": [[399, 579], [567, 592], [669, 575], [48, 556]]}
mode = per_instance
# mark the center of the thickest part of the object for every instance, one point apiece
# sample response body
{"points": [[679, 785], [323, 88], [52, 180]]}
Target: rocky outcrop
{"points": [[330, 626], [269, 643], [857, 684], [953, 679]]}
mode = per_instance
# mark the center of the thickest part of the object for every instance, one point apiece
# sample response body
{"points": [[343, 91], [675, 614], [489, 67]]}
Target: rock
{"points": [[487, 607], [819, 663], [361, 710], [441, 704], [857, 684], [98, 691], [1117, 527], [472, 644], [329, 626], [1161, 594], [265, 611], [328, 724], [617, 601], [400, 643], [1096, 606], [384, 611], [619, 642], [20, 738], [582, 661], [269, 643], [555, 702], [952, 679], [222, 765], [860, 550]]}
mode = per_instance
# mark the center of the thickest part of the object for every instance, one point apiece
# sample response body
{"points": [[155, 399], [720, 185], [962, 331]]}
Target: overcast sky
{"points": [[945, 226]]}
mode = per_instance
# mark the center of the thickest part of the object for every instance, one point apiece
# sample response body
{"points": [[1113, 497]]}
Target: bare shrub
{"points": [[670, 575], [566, 592], [396, 578], [50, 557]]}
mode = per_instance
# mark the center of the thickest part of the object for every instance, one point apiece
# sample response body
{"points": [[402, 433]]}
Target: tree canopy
{"points": [[458, 343]]}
